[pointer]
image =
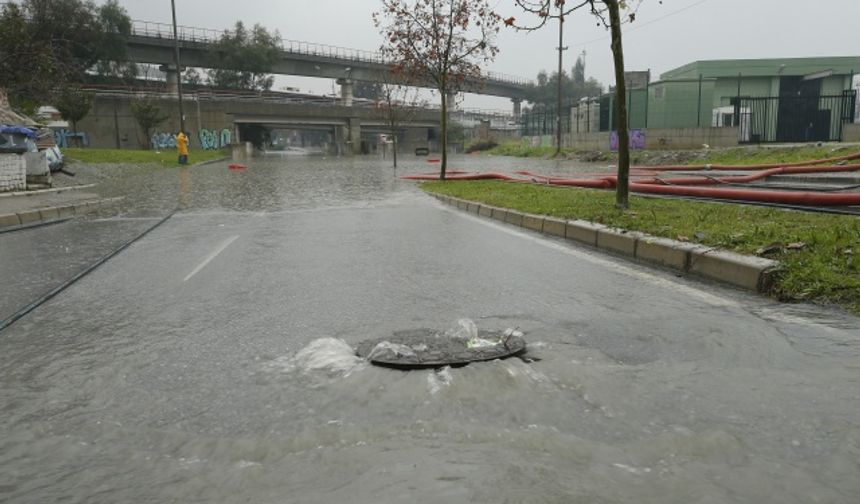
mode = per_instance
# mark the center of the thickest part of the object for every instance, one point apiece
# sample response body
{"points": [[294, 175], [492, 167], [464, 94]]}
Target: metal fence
{"points": [[543, 122], [794, 118]]}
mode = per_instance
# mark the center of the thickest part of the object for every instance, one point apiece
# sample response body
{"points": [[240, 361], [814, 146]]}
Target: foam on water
{"points": [[326, 355], [439, 379]]}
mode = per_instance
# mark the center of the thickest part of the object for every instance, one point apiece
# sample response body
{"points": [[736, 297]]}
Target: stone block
{"points": [[583, 231], [29, 217], [746, 272], [49, 214], [485, 211], [555, 227], [473, 208], [8, 220], [618, 241], [664, 252], [66, 212], [515, 218], [500, 214], [533, 222]]}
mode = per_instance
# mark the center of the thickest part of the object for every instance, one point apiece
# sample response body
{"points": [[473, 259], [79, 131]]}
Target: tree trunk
{"points": [[394, 146], [444, 134], [622, 199], [560, 63]]}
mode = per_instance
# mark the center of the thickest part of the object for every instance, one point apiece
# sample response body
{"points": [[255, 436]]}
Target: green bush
{"points": [[480, 145]]}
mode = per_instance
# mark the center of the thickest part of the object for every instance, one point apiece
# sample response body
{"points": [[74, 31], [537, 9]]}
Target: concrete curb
{"points": [[746, 272], [46, 191], [45, 215]]}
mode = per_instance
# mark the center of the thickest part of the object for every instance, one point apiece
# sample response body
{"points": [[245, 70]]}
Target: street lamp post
{"points": [[561, 50], [178, 68]]}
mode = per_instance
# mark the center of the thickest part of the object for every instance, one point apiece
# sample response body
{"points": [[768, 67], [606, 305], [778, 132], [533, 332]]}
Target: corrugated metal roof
{"points": [[767, 67]]}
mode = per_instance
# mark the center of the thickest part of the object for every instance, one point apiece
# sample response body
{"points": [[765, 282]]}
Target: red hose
{"points": [[745, 179], [746, 167], [644, 180], [784, 197]]}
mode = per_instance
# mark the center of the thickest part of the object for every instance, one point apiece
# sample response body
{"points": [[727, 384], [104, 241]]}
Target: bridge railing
{"points": [[205, 35], [165, 31], [214, 94]]}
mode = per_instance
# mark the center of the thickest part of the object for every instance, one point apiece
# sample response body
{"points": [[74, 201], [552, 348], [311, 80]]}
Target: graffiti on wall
{"points": [[214, 139], [637, 140], [66, 138], [162, 141], [209, 139]]}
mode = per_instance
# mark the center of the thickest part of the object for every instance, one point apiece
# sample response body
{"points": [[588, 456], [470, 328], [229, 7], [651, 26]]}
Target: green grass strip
{"points": [[825, 269], [729, 156], [120, 156], [770, 155]]}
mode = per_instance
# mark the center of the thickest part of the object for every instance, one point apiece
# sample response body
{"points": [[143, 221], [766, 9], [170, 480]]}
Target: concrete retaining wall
{"points": [[211, 123], [598, 141], [663, 138], [851, 133], [13, 172], [690, 138]]}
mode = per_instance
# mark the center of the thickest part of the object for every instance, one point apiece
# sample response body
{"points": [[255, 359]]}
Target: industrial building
{"points": [[768, 100]]}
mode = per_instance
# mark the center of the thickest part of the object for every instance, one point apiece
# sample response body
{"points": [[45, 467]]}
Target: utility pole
{"points": [[561, 50], [584, 75], [178, 68]]}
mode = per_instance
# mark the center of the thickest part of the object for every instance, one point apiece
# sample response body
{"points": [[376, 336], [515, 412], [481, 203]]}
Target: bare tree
{"points": [[608, 12], [73, 105], [397, 103], [148, 116], [439, 42]]}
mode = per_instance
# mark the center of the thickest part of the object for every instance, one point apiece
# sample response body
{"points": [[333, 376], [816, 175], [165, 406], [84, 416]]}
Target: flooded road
{"points": [[212, 360]]}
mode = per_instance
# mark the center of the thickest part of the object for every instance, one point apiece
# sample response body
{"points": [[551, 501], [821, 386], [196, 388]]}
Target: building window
{"points": [[659, 92]]}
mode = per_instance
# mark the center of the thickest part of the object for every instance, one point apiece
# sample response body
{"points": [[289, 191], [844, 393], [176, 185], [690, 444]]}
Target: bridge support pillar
{"points": [[354, 138], [172, 77], [518, 107], [345, 91]]}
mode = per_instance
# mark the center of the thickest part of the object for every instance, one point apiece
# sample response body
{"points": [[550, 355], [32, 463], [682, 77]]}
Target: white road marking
{"points": [[211, 256], [570, 250]]}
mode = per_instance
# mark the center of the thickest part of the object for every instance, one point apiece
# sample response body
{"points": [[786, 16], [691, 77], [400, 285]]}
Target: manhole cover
{"points": [[426, 348]]}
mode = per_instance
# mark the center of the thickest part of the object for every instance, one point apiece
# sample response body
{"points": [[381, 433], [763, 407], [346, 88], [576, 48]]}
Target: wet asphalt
{"points": [[202, 364]]}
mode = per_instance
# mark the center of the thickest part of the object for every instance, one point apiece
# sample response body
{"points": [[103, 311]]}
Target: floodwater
{"points": [[212, 361]]}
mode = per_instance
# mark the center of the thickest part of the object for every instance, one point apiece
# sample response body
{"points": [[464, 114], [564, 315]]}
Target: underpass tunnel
{"points": [[291, 139]]}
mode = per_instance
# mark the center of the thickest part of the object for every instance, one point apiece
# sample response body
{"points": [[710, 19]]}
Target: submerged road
{"points": [[203, 363]]}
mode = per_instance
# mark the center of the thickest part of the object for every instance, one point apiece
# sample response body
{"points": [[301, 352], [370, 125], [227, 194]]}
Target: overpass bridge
{"points": [[153, 43], [217, 118]]}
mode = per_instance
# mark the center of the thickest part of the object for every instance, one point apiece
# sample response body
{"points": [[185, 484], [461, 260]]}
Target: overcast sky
{"points": [[666, 34]]}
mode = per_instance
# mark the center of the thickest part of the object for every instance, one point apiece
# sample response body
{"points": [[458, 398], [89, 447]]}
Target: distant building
{"points": [[770, 100], [638, 79]]}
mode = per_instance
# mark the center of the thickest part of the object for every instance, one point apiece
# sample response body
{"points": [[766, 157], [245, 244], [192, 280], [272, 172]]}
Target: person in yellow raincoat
{"points": [[182, 147]]}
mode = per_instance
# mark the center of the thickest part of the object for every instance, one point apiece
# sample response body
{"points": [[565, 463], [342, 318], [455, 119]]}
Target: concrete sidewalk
{"points": [[23, 209]]}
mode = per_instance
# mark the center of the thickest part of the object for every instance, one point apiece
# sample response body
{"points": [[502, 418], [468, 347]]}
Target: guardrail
{"points": [[208, 36], [228, 95], [275, 98]]}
